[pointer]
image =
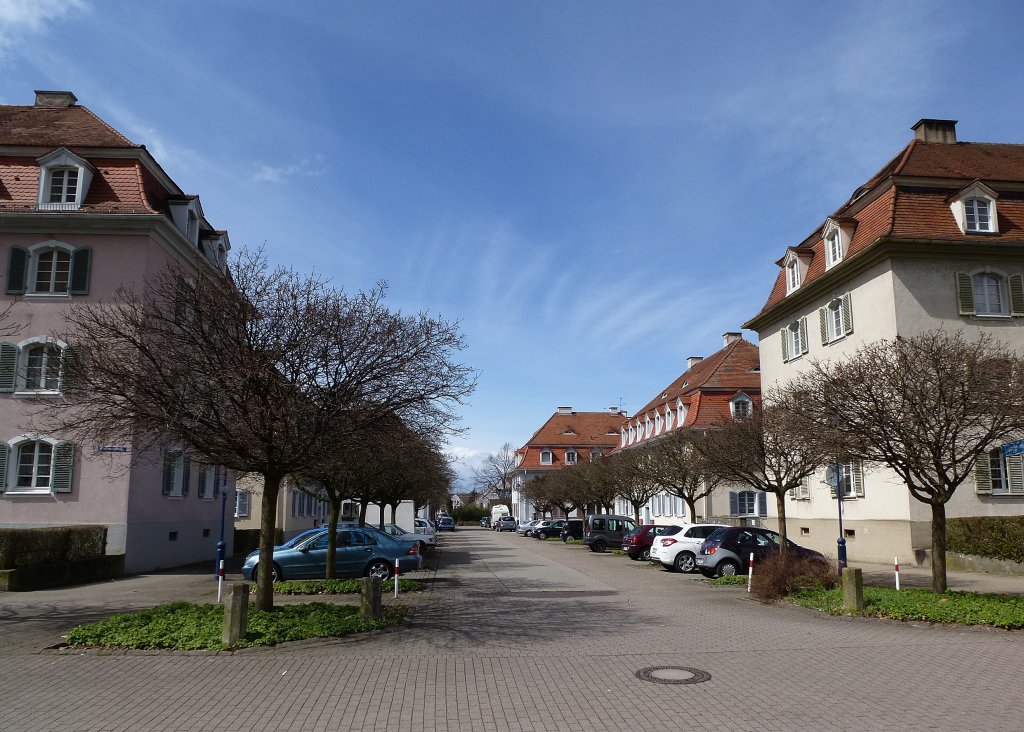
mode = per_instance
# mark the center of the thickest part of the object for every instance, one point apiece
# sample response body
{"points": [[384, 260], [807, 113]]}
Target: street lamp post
{"points": [[221, 546], [834, 477]]}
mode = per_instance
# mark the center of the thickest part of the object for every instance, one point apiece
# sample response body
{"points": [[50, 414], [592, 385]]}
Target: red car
{"points": [[637, 543]]}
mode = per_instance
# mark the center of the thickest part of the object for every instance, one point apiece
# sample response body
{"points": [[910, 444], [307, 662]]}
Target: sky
{"points": [[595, 190]]}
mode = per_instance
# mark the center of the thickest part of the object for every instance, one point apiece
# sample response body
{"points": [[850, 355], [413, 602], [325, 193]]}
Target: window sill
{"points": [[58, 206], [37, 393], [44, 296], [17, 494], [174, 498], [993, 316]]}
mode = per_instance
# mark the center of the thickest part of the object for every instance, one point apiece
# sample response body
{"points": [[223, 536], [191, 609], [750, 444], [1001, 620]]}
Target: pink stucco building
{"points": [[82, 211]]}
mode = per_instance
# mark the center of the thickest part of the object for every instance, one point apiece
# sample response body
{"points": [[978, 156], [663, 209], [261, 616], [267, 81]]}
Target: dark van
{"points": [[602, 530]]}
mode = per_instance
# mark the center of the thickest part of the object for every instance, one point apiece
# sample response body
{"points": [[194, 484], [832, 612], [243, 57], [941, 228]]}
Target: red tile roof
{"points": [[912, 207], [581, 431], [69, 127]]}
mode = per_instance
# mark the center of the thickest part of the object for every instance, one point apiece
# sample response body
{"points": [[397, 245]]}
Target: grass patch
{"points": [[967, 608], [618, 552], [736, 579], [553, 538], [341, 587], [186, 626]]}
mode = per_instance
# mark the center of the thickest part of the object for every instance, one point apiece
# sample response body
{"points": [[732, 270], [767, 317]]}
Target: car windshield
{"points": [[633, 533], [670, 530], [298, 538], [717, 535], [395, 530]]}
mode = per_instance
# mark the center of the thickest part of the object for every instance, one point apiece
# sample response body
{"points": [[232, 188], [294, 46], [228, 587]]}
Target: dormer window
{"points": [[974, 209], [545, 457], [570, 457], [741, 406], [792, 275], [836, 235], [680, 412], [668, 417], [657, 424], [64, 180]]}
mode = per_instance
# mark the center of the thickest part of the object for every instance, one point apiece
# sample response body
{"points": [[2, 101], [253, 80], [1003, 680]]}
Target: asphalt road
{"points": [[518, 634]]}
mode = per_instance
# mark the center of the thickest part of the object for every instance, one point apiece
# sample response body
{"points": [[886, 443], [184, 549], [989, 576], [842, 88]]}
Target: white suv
{"points": [[678, 551]]}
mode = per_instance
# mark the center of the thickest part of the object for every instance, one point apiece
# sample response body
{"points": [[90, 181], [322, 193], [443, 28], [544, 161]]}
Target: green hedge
{"points": [[30, 547], [995, 537]]}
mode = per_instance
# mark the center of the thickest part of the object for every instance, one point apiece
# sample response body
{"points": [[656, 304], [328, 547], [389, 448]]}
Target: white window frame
{"points": [[1000, 285], [14, 463], [738, 412], [21, 375], [976, 209], [243, 503], [669, 415], [59, 160], [680, 413], [793, 275], [550, 457], [657, 423], [970, 197], [837, 318], [35, 252], [208, 482], [571, 457], [179, 459]]}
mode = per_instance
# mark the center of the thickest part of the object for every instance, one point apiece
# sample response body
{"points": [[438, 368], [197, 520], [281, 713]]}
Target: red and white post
{"points": [[750, 571], [397, 571], [220, 579], [896, 562]]}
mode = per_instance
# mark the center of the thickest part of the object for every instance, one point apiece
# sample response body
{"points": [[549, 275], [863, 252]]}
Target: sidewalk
{"points": [[883, 575]]}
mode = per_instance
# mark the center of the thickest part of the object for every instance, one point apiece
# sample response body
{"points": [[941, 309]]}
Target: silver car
{"points": [[426, 541]]}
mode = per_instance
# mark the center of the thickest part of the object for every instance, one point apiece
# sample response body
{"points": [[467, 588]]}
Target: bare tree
{"points": [[538, 492], [761, 452], [498, 471], [676, 467], [257, 371], [929, 407], [597, 480], [632, 478]]}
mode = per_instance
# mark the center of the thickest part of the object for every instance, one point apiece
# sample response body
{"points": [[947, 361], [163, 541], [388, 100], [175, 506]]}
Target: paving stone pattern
{"points": [[518, 634]]}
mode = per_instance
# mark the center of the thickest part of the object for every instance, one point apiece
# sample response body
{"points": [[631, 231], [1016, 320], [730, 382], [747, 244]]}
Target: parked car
{"points": [[677, 550], [426, 541], [526, 528], [485, 521], [505, 523], [727, 551], [573, 529], [424, 526], [548, 527], [602, 530], [637, 543], [359, 552], [446, 523]]}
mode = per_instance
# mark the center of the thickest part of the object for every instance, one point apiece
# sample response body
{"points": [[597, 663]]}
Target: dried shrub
{"points": [[774, 578]]}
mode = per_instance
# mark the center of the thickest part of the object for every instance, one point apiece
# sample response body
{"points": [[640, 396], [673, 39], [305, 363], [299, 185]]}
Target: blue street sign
{"points": [[1012, 448]]}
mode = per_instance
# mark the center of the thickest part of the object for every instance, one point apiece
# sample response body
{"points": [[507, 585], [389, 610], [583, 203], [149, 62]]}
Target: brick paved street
{"points": [[516, 634]]}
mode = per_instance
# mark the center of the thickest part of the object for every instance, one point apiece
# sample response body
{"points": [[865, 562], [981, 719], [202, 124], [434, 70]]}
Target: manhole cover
{"points": [[673, 675]]}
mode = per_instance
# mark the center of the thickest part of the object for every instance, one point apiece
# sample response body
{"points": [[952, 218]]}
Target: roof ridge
{"points": [[107, 125]]}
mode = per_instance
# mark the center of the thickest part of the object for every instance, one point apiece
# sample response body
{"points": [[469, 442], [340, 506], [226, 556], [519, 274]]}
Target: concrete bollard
{"points": [[853, 590], [369, 599], [236, 614]]}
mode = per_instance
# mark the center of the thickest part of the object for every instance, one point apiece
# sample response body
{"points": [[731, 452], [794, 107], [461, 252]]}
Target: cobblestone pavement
{"points": [[518, 634]]}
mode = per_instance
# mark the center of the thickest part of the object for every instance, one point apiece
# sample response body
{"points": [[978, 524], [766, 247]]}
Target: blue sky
{"points": [[596, 190]]}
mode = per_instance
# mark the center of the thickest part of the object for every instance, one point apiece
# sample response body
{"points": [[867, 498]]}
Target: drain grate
{"points": [[673, 675]]}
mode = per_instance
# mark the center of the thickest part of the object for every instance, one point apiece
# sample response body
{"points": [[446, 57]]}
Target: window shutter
{"points": [[81, 261], [823, 322], [785, 343], [734, 504], [216, 481], [186, 466], [8, 366], [1016, 283], [1015, 474], [965, 293], [71, 359], [242, 504], [858, 479], [17, 271], [803, 491], [847, 314], [5, 451], [982, 475], [804, 345], [63, 464], [168, 485], [762, 503]]}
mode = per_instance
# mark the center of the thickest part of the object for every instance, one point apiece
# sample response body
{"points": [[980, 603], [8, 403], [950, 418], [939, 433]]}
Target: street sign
{"points": [[113, 448], [832, 476], [1012, 448]]}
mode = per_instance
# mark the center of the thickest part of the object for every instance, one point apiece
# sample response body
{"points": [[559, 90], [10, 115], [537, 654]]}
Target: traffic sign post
{"points": [[833, 476]]}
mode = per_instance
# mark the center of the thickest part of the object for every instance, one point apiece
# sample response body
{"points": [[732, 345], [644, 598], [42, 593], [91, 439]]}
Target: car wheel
{"points": [[423, 546], [685, 562], [379, 568], [275, 573], [727, 568], [565, 539], [598, 546], [645, 555]]}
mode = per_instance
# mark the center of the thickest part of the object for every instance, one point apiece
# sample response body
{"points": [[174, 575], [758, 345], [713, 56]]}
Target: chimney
{"points": [[935, 130], [565, 410], [730, 337], [55, 99], [692, 361]]}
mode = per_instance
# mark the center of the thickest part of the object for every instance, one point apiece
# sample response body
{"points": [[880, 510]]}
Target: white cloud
{"points": [[18, 18], [305, 168]]}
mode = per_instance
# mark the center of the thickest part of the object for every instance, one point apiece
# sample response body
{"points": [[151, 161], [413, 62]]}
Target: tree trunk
{"points": [[381, 506], [691, 507], [938, 548], [363, 505], [636, 514], [780, 502], [394, 513], [268, 533], [332, 538]]}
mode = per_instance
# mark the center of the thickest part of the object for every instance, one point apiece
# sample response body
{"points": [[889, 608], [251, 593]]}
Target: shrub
{"points": [[55, 544], [775, 579], [996, 537], [340, 586]]}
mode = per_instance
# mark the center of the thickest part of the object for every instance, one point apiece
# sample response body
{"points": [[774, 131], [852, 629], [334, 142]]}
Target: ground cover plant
{"points": [[341, 587], [186, 626], [967, 608], [737, 579]]}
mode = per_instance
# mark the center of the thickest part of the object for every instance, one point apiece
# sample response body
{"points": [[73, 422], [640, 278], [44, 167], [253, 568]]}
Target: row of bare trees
{"points": [[269, 372], [928, 407]]}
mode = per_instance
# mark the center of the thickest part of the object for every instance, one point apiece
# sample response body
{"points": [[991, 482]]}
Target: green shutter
{"points": [[81, 260], [823, 322], [858, 478], [1015, 474], [965, 293], [71, 361], [63, 465], [186, 469], [168, 482], [847, 314], [804, 345], [982, 475], [1016, 283], [785, 343], [5, 451], [8, 366], [17, 271], [217, 470]]}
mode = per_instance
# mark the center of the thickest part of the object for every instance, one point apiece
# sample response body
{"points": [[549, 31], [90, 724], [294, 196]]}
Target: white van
{"points": [[497, 512]]}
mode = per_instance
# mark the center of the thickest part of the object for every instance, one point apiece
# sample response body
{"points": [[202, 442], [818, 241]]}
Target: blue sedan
{"points": [[359, 553]]}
